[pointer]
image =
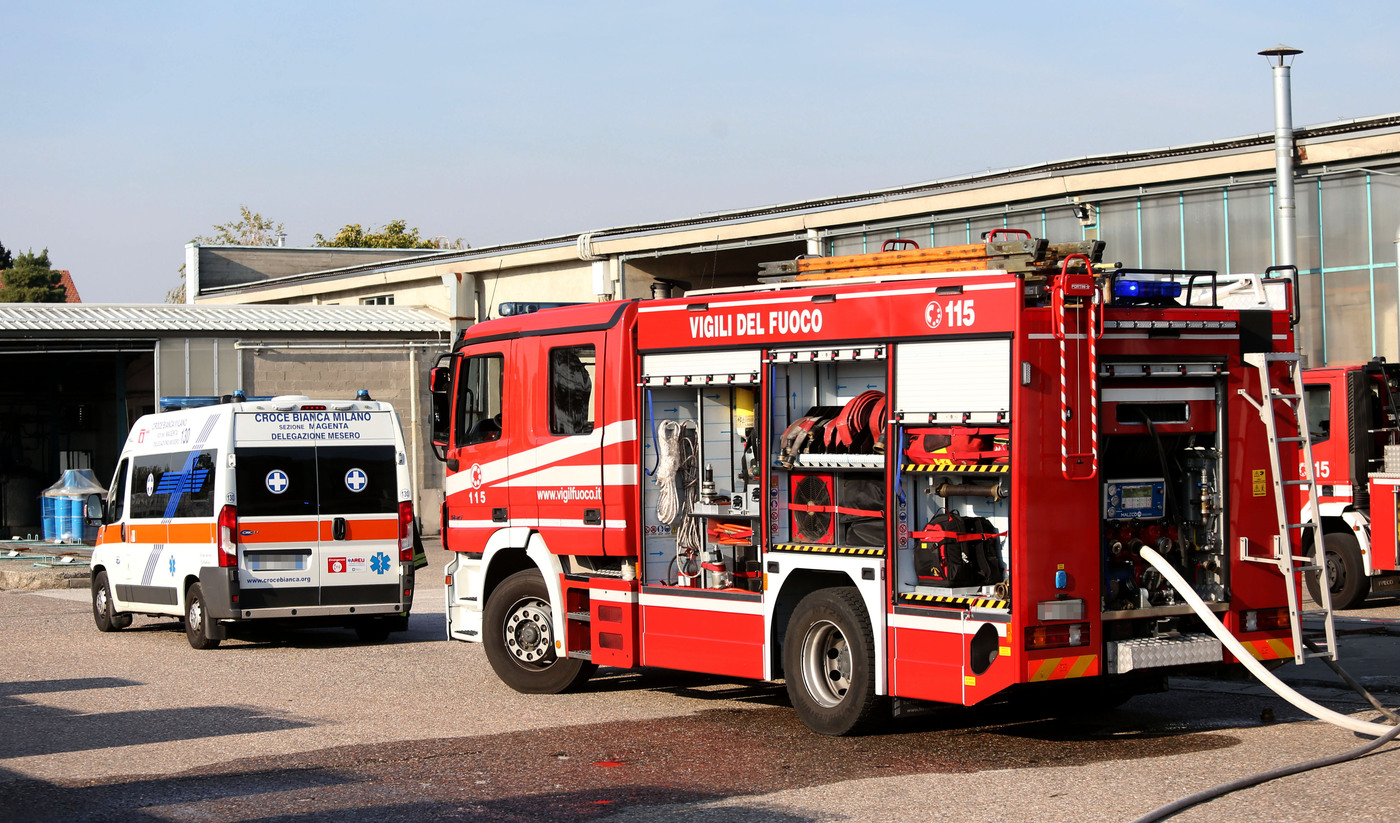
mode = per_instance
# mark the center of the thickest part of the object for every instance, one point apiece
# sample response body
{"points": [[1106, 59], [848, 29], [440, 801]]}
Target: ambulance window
{"points": [[571, 373], [357, 479], [479, 400], [276, 481], [1319, 400], [179, 484], [116, 498]]}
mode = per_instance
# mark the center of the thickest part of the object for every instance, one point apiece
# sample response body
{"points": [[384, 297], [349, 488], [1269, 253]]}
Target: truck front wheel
{"points": [[829, 662], [519, 638], [1345, 571]]}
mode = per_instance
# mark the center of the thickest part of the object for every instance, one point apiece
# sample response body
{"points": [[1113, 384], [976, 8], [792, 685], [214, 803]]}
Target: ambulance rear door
{"points": [[358, 474]]}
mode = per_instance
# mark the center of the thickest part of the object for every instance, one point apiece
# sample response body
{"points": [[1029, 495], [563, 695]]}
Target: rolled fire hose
{"points": [[1255, 667]]}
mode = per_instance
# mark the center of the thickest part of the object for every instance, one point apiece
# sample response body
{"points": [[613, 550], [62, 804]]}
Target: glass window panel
{"points": [[1385, 215], [1387, 297], [172, 368], [1310, 319], [1118, 229], [1204, 213], [201, 367], [1161, 232], [848, 244], [571, 383], [1249, 228], [1344, 229], [1305, 198], [950, 233], [1061, 226], [1348, 309]]}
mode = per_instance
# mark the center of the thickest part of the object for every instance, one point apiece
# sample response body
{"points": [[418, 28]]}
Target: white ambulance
{"points": [[288, 509]]}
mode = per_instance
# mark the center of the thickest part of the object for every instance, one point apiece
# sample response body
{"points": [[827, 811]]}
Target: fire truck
{"points": [[921, 474], [1355, 431]]}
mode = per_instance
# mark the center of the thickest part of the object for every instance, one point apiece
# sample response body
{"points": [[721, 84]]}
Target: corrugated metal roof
{"points": [[168, 317]]}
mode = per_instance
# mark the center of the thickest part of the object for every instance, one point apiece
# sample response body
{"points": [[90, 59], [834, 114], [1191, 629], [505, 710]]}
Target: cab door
{"points": [[478, 464], [566, 435]]}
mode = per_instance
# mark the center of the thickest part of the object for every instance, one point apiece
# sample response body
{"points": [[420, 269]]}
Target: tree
{"points": [[394, 235], [6, 260], [31, 280], [250, 229]]}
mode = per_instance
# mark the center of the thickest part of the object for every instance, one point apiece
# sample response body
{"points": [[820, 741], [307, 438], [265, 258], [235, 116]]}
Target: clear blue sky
{"points": [[129, 128]]}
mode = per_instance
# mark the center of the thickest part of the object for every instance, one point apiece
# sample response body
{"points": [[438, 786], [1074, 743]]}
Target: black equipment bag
{"points": [[860, 509], [958, 551]]}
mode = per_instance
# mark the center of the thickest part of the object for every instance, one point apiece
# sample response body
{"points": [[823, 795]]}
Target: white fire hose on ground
{"points": [[1255, 667], [1386, 733]]}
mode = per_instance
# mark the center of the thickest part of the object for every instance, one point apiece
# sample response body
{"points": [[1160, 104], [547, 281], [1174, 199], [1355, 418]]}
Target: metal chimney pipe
{"points": [[1280, 57]]}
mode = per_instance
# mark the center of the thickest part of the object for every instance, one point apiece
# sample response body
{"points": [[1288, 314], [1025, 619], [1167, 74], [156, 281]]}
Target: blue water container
{"points": [[50, 517], [72, 519]]}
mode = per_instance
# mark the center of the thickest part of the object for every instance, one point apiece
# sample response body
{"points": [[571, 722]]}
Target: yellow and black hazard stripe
{"points": [[1062, 668], [949, 466], [971, 602], [796, 547]]}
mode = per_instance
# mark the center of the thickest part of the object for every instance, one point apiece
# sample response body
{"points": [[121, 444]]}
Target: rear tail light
{"points": [[1265, 620], [228, 536], [406, 532], [1056, 637]]}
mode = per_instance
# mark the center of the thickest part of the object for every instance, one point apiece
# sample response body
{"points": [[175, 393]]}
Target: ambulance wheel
{"points": [[519, 639], [197, 621], [829, 663], [103, 615], [1345, 571]]}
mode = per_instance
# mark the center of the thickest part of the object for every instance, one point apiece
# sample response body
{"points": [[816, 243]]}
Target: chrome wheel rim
{"points": [[100, 601], [528, 635], [826, 664], [196, 618]]}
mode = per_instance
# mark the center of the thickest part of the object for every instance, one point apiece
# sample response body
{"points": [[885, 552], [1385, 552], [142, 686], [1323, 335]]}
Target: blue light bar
{"points": [[1145, 290]]}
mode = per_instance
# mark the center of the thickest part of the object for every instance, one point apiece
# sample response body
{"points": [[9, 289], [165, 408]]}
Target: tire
{"points": [[829, 663], [197, 621], [103, 615], [519, 639], [1345, 571]]}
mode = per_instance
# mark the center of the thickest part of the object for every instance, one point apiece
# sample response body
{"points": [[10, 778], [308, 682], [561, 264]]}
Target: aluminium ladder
{"points": [[1290, 395]]}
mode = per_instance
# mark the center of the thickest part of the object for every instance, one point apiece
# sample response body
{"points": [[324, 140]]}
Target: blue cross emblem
{"points": [[355, 480], [277, 481]]}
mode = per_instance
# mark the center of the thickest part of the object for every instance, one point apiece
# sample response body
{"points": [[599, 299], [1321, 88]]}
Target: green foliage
{"points": [[31, 280], [394, 235], [251, 229], [6, 259]]}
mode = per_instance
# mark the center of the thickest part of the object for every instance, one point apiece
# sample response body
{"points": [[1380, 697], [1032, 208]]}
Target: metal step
{"points": [[582, 654], [582, 617]]}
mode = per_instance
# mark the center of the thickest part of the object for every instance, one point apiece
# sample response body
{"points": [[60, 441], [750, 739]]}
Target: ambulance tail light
{"points": [[228, 536], [406, 532], [1264, 620], [1057, 637]]}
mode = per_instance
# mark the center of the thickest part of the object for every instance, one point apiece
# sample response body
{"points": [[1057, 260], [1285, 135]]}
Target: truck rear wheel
{"points": [[829, 662], [519, 638], [1345, 571]]}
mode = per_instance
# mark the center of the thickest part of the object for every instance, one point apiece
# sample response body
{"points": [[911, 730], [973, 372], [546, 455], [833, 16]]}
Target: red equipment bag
{"points": [[957, 444], [958, 551]]}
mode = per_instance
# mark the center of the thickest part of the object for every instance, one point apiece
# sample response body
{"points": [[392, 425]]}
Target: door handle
{"points": [[499, 516], [123, 528], [592, 517], [338, 528]]}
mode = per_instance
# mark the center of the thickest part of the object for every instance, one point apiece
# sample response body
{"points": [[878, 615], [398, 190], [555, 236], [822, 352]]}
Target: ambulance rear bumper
{"points": [[320, 611]]}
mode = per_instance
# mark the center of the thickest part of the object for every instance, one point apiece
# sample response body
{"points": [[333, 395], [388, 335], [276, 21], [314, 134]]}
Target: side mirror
{"points": [[439, 379], [92, 509]]}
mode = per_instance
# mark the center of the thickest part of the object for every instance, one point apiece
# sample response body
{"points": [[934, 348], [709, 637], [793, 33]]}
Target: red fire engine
{"points": [[921, 474], [1355, 422]]}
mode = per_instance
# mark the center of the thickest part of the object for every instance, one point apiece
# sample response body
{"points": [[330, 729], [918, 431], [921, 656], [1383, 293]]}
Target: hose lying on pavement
{"points": [[1384, 733]]}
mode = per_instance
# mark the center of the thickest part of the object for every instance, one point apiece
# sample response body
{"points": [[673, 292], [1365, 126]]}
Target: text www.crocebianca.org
{"points": [[569, 493]]}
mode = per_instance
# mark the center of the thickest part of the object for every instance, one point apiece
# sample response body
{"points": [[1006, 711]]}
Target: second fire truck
{"points": [[920, 474]]}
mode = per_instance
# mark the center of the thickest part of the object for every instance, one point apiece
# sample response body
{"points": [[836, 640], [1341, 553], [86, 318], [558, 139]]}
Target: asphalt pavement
{"points": [[313, 725]]}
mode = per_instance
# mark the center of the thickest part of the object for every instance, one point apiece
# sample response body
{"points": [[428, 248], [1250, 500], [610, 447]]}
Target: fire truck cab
{"points": [[922, 474], [1352, 411]]}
